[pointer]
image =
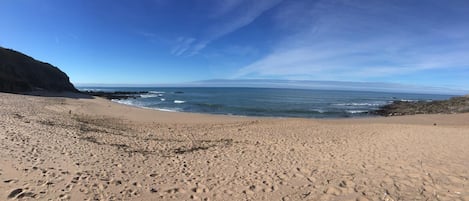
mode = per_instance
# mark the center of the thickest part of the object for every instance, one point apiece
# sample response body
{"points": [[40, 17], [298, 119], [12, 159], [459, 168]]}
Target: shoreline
{"points": [[233, 115], [426, 119], [92, 148], [310, 106]]}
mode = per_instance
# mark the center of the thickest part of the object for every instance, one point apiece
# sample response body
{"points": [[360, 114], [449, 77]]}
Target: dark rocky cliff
{"points": [[21, 73]]}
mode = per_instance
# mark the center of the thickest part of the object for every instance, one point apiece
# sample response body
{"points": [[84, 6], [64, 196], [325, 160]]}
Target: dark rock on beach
{"points": [[117, 95], [21, 73], [398, 108]]}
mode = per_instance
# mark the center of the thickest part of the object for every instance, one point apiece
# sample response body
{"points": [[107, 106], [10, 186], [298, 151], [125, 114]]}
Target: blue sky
{"points": [[412, 42]]}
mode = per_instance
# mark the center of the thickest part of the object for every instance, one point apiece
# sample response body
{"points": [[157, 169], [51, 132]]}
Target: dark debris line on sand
{"points": [[398, 108]]}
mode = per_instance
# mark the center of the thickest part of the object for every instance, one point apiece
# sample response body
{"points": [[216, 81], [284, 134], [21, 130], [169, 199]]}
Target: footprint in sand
{"points": [[15, 192], [10, 181], [18, 193]]}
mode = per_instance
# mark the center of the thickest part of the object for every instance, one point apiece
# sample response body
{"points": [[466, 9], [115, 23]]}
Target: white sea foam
{"points": [[156, 92], [179, 101], [133, 103], [356, 111], [162, 99], [148, 95], [319, 110], [408, 100], [126, 102], [360, 104], [166, 110]]}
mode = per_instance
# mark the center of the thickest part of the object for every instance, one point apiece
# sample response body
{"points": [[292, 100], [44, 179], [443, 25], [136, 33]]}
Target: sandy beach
{"points": [[55, 148]]}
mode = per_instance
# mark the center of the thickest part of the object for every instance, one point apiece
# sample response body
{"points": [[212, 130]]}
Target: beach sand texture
{"points": [[94, 149]]}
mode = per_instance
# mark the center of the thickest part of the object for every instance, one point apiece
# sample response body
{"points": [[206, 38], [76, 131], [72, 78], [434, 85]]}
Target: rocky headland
{"points": [[20, 73], [399, 108]]}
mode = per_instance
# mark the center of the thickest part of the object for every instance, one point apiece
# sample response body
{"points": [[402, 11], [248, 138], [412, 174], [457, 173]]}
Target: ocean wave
{"points": [[148, 95], [135, 104], [319, 110], [162, 99], [167, 110], [156, 92], [360, 104], [408, 100], [131, 102], [356, 111], [179, 101]]}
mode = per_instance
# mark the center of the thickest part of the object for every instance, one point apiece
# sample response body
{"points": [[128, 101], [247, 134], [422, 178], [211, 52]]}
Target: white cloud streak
{"points": [[228, 16], [183, 45], [359, 39]]}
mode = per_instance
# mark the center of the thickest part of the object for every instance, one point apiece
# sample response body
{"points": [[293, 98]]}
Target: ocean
{"points": [[266, 102]]}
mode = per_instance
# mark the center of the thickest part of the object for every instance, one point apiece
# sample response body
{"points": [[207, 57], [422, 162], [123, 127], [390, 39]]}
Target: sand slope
{"points": [[93, 149]]}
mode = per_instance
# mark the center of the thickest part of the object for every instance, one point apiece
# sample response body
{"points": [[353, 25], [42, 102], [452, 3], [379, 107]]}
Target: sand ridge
{"points": [[94, 149]]}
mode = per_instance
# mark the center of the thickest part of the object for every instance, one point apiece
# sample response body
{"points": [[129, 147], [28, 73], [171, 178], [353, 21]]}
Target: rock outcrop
{"points": [[398, 108], [21, 73], [117, 95]]}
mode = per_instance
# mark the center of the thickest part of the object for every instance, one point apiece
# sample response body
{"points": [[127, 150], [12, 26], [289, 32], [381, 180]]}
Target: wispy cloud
{"points": [[226, 17], [183, 45], [358, 40]]}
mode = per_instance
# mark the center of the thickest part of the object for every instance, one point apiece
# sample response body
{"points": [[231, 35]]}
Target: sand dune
{"points": [[94, 149]]}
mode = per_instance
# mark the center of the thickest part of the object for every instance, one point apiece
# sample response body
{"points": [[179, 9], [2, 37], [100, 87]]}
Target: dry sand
{"points": [[94, 149]]}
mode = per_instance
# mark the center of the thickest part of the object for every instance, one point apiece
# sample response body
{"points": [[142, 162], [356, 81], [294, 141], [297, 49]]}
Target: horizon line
{"points": [[295, 84]]}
